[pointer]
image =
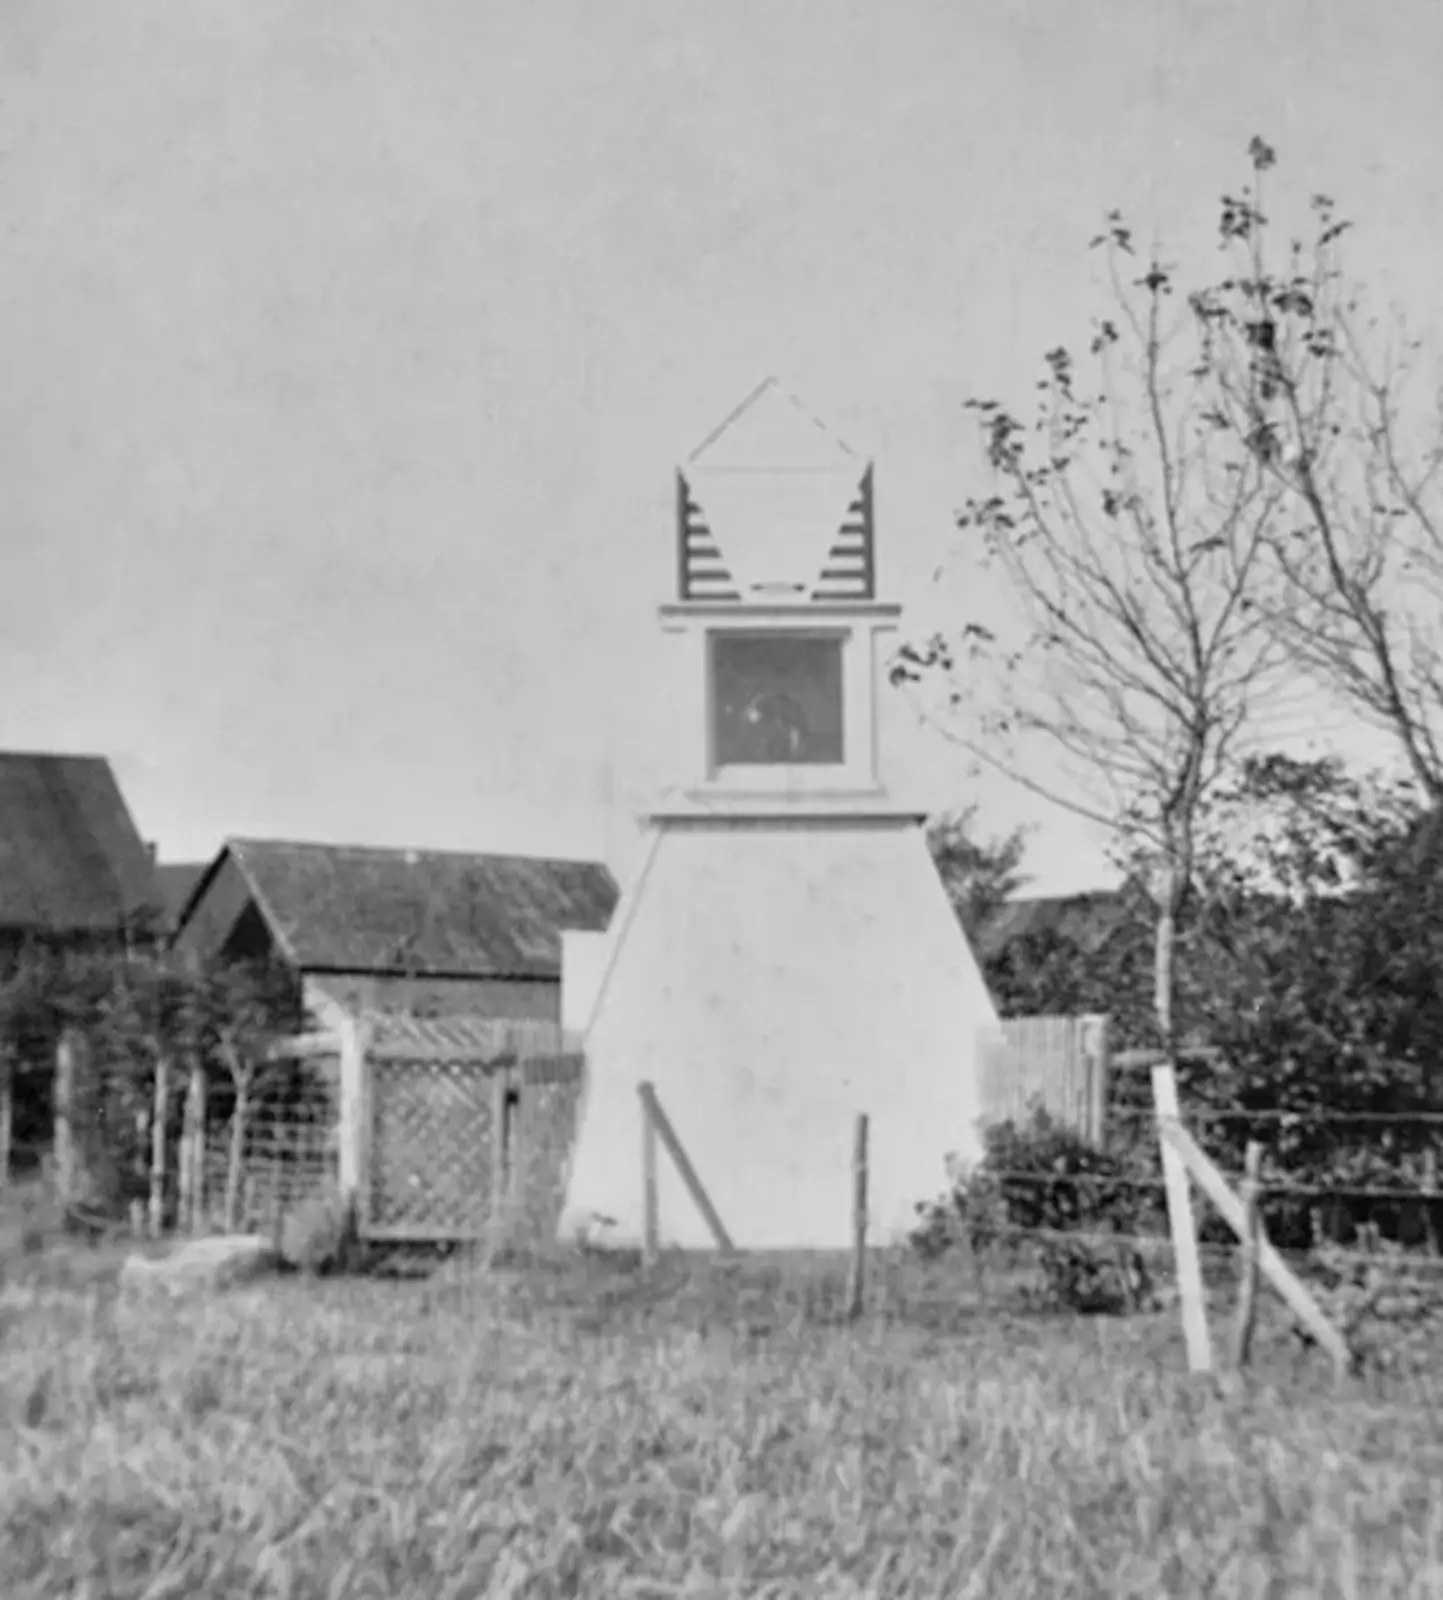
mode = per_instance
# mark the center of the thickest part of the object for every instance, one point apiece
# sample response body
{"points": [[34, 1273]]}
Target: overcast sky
{"points": [[346, 348]]}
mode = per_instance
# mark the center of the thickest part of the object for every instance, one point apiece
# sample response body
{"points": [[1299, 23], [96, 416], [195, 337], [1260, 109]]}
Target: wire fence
{"points": [[119, 1145], [284, 1155], [1348, 1184], [1352, 1181]]}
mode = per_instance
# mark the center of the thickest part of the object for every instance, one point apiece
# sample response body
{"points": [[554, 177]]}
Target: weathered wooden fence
{"points": [[1057, 1063]]}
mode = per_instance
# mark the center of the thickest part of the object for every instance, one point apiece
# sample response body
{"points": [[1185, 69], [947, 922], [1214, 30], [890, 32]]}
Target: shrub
{"points": [[1040, 1174], [1087, 1276], [1038, 1180]]}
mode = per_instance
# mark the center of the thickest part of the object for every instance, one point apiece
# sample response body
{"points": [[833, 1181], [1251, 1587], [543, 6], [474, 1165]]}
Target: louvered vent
{"points": [[850, 572], [702, 573]]}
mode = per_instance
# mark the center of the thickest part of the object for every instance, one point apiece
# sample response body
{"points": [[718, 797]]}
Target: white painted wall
{"points": [[583, 961], [323, 1008], [771, 981]]}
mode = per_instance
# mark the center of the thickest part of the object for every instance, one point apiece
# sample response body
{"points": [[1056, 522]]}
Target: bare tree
{"points": [[1339, 408], [1134, 534]]}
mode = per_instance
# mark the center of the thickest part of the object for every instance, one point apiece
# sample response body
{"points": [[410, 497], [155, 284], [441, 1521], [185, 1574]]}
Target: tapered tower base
{"points": [[772, 977]]}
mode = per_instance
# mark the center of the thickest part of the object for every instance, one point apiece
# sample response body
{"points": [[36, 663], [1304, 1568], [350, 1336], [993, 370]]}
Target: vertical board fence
{"points": [[1057, 1063]]}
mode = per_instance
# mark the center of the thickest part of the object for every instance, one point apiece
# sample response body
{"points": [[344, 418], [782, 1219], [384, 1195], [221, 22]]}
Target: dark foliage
{"points": [[1039, 1183], [134, 1006], [979, 874], [1040, 1175], [1310, 959]]}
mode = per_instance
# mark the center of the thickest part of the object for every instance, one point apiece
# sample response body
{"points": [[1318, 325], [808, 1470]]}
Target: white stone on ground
{"points": [[200, 1264]]}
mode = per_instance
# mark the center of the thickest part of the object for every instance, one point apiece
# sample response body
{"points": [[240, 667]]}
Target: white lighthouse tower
{"points": [[786, 956]]}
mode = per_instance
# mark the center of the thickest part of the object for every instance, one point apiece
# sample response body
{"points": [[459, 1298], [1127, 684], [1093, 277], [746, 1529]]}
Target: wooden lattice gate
{"points": [[431, 1137], [466, 1127]]}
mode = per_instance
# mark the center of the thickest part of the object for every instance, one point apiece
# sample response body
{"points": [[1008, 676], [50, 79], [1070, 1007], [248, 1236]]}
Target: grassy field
{"points": [[579, 1429]]}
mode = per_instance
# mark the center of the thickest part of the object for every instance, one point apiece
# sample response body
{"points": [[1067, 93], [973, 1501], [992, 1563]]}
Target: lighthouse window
{"points": [[776, 699]]}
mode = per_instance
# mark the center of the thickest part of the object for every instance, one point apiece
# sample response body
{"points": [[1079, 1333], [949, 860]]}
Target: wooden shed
{"points": [[174, 882], [433, 933]]}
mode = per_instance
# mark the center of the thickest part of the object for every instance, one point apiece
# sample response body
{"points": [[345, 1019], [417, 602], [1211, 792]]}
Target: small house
{"points": [[429, 933], [174, 881], [74, 870]]}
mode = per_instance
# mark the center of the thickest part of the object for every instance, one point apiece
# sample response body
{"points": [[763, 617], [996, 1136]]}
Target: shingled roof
{"points": [[345, 908], [71, 860], [174, 882]]}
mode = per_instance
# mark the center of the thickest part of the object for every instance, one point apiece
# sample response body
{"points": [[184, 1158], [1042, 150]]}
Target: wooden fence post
{"points": [[351, 1130], [64, 1108], [1184, 1229], [196, 1107], [7, 1112], [1430, 1188], [279, 1189], [184, 1169], [1294, 1292], [500, 1161], [1101, 1071], [141, 1149], [298, 1187], [1248, 1276], [650, 1218], [856, 1276], [159, 1118], [682, 1162], [238, 1188], [187, 1160]]}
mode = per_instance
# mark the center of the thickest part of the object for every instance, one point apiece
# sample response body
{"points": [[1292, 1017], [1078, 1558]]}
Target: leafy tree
{"points": [[1341, 412], [1315, 955], [1311, 961], [1135, 535], [1321, 929], [27, 1038], [45, 989], [1047, 972], [149, 1021], [1051, 973], [1328, 913], [137, 1007]]}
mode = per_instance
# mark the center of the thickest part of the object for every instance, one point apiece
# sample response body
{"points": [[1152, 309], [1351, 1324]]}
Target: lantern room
{"points": [[776, 612]]}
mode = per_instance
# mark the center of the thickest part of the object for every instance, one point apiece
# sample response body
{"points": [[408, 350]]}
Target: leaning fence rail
{"points": [[1187, 1160], [656, 1126], [1356, 1267]]}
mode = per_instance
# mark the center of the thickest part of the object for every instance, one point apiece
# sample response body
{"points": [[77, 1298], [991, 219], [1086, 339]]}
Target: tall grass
{"points": [[582, 1429]]}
